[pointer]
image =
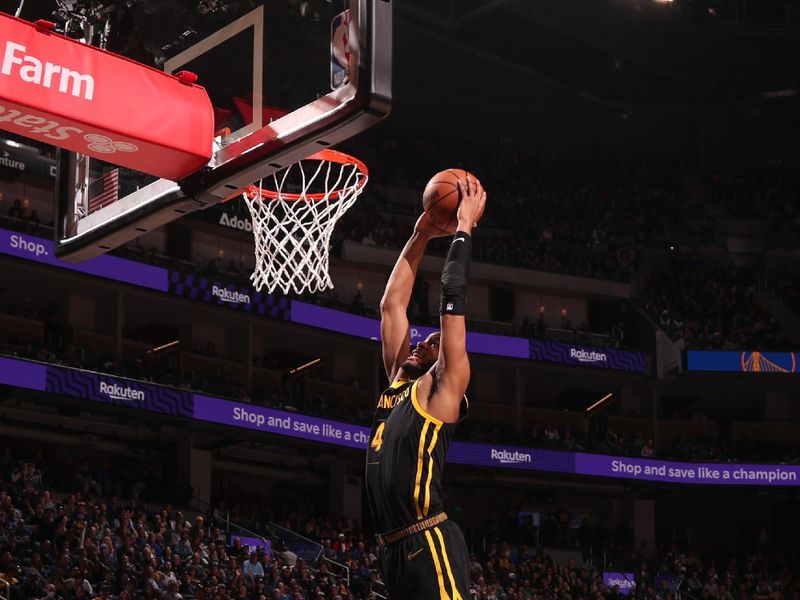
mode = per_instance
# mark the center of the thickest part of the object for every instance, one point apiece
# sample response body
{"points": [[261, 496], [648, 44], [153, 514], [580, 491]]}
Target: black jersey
{"points": [[405, 459]]}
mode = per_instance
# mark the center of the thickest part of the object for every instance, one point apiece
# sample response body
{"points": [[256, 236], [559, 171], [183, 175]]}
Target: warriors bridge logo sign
{"points": [[741, 362]]}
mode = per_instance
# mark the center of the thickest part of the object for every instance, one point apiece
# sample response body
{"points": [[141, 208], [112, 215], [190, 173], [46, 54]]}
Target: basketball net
{"points": [[293, 219]]}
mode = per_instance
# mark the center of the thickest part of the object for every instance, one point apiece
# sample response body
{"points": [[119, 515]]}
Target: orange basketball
{"points": [[441, 199]]}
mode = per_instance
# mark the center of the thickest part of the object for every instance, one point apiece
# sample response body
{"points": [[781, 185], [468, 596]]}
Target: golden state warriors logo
{"points": [[768, 362]]}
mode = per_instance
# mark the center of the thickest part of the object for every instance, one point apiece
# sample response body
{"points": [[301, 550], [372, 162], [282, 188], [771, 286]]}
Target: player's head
{"points": [[423, 356]]}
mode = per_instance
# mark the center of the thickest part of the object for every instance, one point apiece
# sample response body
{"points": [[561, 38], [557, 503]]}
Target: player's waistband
{"points": [[385, 539]]}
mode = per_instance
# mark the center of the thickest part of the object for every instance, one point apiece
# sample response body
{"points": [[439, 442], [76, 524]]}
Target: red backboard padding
{"points": [[62, 92], [245, 109]]}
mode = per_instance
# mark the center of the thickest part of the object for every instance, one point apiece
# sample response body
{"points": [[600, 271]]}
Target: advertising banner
{"points": [[741, 362], [196, 287], [624, 581], [40, 250], [365, 327], [149, 397], [21, 373], [61, 92], [24, 159], [684, 472], [260, 418], [481, 343], [584, 356], [129, 393], [511, 457]]}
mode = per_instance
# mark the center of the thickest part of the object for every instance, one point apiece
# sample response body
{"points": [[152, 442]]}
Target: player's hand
{"points": [[473, 201], [427, 229]]}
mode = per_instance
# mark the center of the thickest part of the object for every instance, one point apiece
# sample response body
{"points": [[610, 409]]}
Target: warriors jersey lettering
{"points": [[405, 459]]}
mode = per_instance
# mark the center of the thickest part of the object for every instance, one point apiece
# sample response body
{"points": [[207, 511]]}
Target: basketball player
{"points": [[423, 555]]}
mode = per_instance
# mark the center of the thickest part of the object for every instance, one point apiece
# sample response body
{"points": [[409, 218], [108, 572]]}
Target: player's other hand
{"points": [[427, 229], [473, 200]]}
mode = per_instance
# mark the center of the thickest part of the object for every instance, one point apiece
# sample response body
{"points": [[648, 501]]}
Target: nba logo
{"points": [[340, 50]]}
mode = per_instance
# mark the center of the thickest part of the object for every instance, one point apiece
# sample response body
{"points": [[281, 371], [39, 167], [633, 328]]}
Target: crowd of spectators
{"points": [[769, 195], [22, 217], [95, 538], [87, 543], [588, 213], [709, 306]]}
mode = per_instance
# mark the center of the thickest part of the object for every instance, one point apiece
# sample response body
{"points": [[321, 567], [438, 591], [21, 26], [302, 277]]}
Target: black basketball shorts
{"points": [[429, 565]]}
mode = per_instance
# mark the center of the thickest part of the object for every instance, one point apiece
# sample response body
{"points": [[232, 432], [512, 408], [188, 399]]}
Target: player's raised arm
{"points": [[395, 336], [452, 371]]}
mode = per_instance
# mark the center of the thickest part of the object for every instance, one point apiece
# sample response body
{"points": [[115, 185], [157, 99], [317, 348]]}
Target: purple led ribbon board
{"points": [[680, 472], [24, 374], [364, 327], [481, 343], [269, 420], [138, 395], [196, 287], [28, 247], [129, 393], [584, 356]]}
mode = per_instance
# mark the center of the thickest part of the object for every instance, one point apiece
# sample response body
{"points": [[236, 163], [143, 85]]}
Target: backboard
{"points": [[286, 78]]}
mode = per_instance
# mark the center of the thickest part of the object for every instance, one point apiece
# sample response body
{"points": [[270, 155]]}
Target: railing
{"points": [[228, 523], [307, 549], [680, 594], [344, 568], [5, 585], [204, 506], [378, 594]]}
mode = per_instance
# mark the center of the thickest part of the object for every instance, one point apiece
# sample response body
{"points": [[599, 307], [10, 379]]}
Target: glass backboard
{"points": [[286, 78]]}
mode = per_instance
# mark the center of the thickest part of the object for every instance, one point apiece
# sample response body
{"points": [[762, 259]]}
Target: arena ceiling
{"points": [[725, 54], [701, 53]]}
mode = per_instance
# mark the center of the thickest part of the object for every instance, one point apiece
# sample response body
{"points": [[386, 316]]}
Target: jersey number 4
{"points": [[377, 441]]}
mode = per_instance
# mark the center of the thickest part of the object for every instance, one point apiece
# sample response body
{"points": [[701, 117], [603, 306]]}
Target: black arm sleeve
{"points": [[454, 275]]}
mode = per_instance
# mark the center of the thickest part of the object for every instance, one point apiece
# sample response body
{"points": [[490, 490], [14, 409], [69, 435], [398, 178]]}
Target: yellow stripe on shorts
{"points": [[456, 595], [442, 592]]}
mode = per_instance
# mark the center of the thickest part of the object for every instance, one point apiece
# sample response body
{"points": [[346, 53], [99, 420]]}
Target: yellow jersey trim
{"points": [[419, 409], [418, 479], [398, 382], [430, 471]]}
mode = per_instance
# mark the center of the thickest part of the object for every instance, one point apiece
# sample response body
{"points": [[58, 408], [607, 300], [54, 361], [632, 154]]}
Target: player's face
{"points": [[423, 356]]}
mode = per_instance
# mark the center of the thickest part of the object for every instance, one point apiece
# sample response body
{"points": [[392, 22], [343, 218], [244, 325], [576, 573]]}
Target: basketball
{"points": [[441, 199]]}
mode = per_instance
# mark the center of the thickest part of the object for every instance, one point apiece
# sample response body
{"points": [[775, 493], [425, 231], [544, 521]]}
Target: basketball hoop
{"points": [[293, 219]]}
